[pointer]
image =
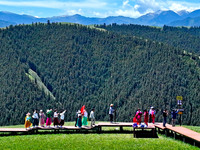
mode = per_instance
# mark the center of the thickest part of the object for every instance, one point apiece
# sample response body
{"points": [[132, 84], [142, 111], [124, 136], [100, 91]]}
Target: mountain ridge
{"points": [[158, 18]]}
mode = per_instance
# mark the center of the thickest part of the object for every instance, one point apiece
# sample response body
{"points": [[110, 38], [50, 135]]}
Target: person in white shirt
{"points": [[92, 117], [62, 118], [35, 119], [55, 118]]}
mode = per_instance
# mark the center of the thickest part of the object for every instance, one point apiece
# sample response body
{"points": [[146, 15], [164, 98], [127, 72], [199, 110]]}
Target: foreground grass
{"points": [[91, 141]]}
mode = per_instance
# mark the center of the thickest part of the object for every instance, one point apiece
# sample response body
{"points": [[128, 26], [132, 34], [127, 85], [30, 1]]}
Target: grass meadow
{"points": [[92, 142]]}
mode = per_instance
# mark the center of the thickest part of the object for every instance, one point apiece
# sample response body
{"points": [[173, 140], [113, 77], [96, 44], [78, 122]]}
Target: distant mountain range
{"points": [[159, 18]]}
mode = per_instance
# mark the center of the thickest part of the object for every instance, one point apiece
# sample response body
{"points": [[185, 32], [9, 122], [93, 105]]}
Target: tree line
{"points": [[85, 66]]}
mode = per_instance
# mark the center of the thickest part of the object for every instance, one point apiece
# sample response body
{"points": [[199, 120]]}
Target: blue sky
{"points": [[95, 8]]}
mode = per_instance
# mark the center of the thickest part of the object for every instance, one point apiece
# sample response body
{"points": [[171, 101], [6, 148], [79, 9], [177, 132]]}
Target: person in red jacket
{"points": [[153, 112], [146, 117], [138, 116]]}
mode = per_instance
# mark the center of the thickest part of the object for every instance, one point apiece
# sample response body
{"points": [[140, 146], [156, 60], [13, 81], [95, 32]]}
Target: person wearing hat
{"points": [[150, 119], [111, 112], [28, 120]]}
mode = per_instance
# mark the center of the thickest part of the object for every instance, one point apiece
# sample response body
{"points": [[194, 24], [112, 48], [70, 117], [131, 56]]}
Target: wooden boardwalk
{"points": [[179, 132]]}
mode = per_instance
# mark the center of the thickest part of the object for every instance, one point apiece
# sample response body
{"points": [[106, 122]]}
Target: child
{"points": [[48, 122], [27, 121], [35, 119], [62, 116], [42, 118], [92, 117], [55, 118]]}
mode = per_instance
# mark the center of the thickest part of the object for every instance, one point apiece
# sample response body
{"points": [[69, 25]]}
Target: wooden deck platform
{"points": [[179, 132]]}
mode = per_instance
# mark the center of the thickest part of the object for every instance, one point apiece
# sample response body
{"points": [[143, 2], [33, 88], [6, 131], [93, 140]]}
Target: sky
{"points": [[95, 8]]}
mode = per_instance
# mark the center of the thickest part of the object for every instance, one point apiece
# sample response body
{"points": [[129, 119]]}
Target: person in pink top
{"points": [[42, 118], [138, 116]]}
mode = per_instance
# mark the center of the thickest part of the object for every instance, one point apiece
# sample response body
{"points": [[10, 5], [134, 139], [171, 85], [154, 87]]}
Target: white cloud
{"points": [[177, 7], [125, 3], [128, 13], [56, 4], [136, 8], [180, 5], [145, 6], [73, 12], [105, 8], [133, 8]]}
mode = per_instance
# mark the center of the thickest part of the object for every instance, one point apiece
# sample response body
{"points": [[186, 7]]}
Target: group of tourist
{"points": [[150, 116], [37, 119], [82, 117]]}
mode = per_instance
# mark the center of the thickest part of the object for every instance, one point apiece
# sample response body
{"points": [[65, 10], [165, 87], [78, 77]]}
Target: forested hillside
{"points": [[182, 37], [80, 65]]}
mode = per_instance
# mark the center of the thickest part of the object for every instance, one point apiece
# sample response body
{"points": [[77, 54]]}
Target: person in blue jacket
{"points": [[174, 115], [111, 112]]}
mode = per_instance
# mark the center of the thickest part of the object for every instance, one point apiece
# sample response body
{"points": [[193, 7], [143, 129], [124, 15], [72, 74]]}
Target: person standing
{"points": [[79, 120], [150, 119], [35, 119], [153, 112], [62, 118], [55, 118], [174, 114], [165, 114], [42, 118], [111, 112], [76, 117], [85, 116], [27, 121], [92, 117], [48, 122], [146, 117], [138, 116]]}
